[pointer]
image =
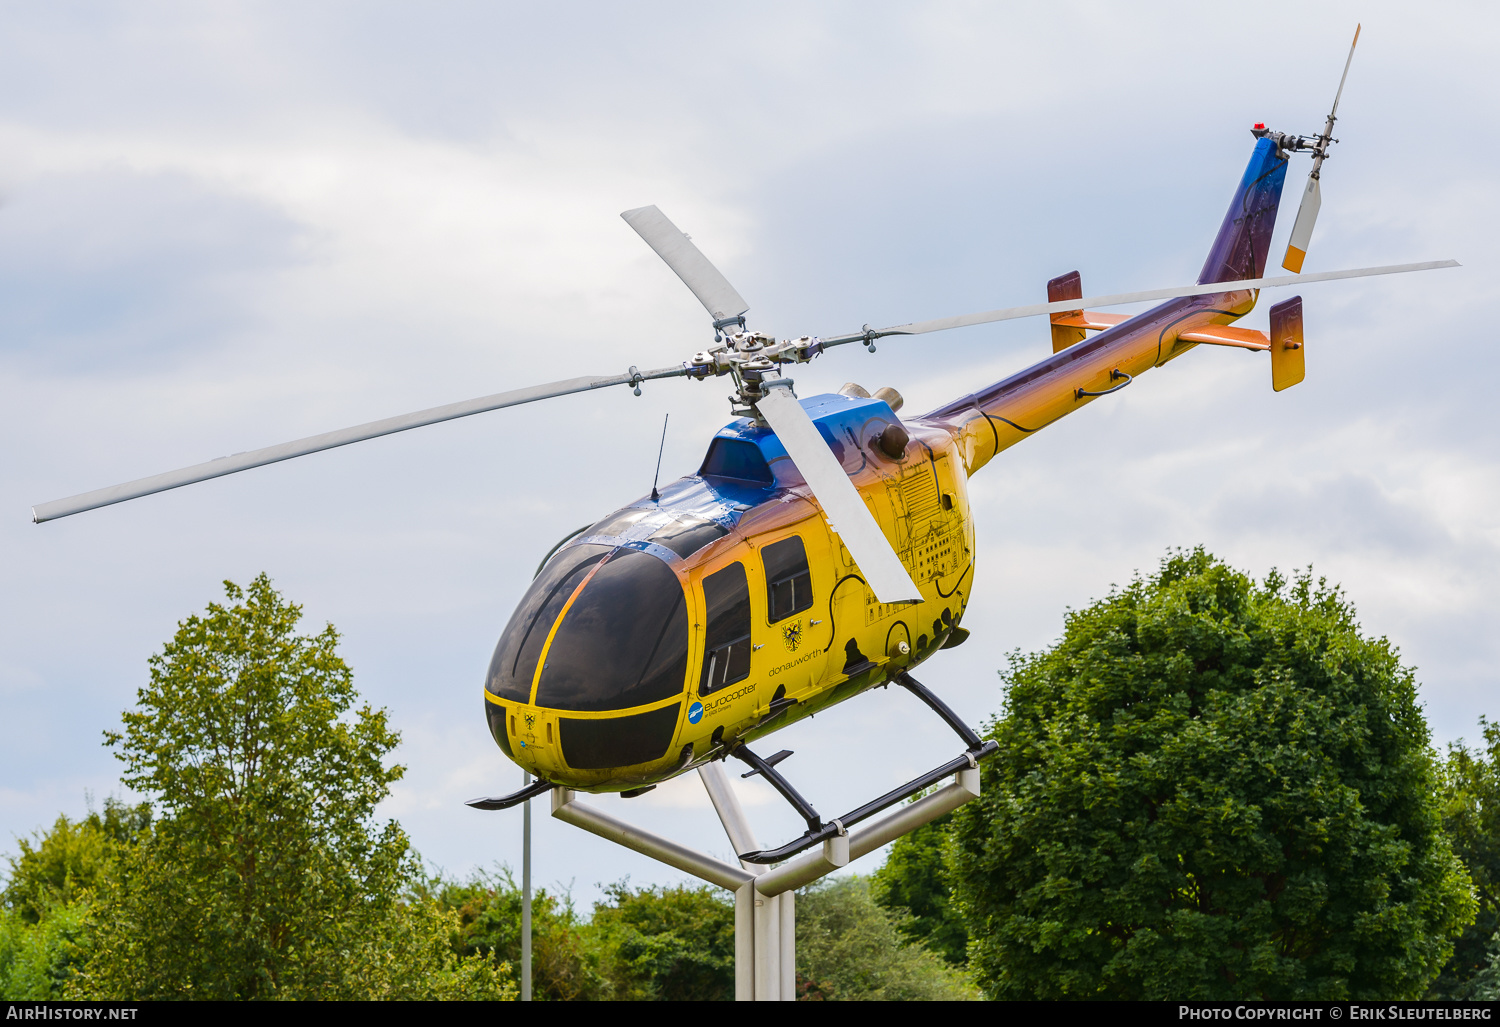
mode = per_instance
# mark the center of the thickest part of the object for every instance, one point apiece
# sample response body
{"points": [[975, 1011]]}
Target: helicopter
{"points": [[825, 546]]}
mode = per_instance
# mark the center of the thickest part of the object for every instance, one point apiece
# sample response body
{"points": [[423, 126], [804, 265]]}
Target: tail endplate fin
{"points": [[1288, 359], [1065, 287]]}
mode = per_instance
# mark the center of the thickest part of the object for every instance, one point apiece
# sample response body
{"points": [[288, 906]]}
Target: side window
{"points": [[726, 657], [788, 582]]}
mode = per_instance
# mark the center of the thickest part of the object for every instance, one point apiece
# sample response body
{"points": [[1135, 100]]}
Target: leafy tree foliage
{"points": [[264, 874], [673, 944], [914, 878], [1212, 790], [44, 908], [39, 960], [849, 948], [488, 907], [64, 864], [1471, 818]]}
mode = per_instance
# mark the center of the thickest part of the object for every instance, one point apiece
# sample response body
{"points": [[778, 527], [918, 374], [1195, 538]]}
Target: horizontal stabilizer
{"points": [[1224, 335], [1092, 320]]}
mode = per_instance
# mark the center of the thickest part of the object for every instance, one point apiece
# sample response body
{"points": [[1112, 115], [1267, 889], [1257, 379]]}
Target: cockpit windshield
{"points": [[610, 627], [513, 667]]}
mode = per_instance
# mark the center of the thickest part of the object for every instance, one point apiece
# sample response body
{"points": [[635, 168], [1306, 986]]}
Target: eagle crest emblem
{"points": [[791, 635]]}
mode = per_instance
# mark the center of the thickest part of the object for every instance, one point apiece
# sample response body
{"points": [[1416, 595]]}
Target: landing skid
{"points": [[531, 791], [819, 831]]}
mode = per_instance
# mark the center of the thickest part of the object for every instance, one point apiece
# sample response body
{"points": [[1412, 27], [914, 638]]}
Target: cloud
{"points": [[229, 226]]}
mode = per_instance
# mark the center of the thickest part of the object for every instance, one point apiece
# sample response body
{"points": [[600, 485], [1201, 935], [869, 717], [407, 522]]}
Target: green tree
{"points": [[1471, 819], [665, 944], [849, 948], [44, 908], [264, 874], [488, 907], [65, 863], [1208, 789], [914, 878], [39, 960]]}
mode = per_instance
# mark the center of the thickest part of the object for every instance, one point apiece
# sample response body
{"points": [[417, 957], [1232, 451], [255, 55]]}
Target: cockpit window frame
{"points": [[788, 575], [726, 648]]}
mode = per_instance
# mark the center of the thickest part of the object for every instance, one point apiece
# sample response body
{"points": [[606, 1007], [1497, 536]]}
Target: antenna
{"points": [[655, 495]]}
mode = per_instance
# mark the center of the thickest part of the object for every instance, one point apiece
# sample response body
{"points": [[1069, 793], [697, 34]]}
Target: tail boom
{"points": [[1078, 372]]}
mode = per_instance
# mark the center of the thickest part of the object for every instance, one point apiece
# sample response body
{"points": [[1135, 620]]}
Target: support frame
{"points": [[764, 906]]}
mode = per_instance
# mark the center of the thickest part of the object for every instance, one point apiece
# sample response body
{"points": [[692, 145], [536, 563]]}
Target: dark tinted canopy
{"points": [[514, 664], [621, 636]]}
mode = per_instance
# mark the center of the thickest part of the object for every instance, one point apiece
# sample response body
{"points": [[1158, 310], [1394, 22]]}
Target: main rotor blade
{"points": [[330, 440], [713, 290], [1062, 306], [841, 501]]}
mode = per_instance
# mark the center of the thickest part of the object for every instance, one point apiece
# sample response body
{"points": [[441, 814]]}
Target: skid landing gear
{"points": [[975, 750], [531, 791]]}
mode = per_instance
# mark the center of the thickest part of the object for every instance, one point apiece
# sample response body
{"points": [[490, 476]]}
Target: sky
{"points": [[224, 226]]}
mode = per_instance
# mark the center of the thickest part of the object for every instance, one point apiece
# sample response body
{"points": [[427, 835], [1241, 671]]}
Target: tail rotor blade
{"points": [[713, 290], [332, 440], [841, 501], [1312, 196], [1302, 228]]}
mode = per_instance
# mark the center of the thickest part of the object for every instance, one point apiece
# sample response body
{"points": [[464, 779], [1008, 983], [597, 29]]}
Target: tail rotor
{"points": [[1312, 196]]}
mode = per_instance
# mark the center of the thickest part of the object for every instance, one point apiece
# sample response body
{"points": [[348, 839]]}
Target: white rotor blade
{"points": [[841, 501], [1302, 228], [1344, 77], [1063, 306], [328, 440], [713, 290]]}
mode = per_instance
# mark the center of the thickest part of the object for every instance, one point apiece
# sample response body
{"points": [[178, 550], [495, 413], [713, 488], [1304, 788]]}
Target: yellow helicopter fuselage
{"points": [[574, 697]]}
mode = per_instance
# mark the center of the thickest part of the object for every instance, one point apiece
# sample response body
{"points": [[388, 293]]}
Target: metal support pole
{"points": [[765, 936], [744, 943], [789, 946], [526, 894], [658, 848], [767, 947], [731, 813], [839, 850], [746, 900]]}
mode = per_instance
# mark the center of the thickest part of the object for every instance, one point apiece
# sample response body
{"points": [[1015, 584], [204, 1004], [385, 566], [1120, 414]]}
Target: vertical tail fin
{"points": [[1244, 240], [1288, 363], [1065, 287]]}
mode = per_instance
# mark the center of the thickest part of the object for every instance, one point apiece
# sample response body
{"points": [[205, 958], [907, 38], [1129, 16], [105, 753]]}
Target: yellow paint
{"points": [[849, 641], [1294, 259]]}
